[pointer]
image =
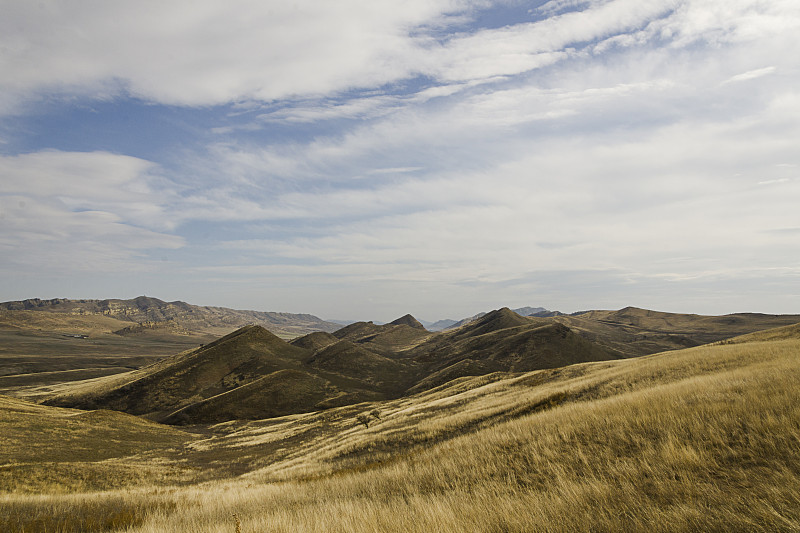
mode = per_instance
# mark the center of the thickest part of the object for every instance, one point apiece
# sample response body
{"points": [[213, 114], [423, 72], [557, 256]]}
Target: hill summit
{"points": [[407, 320], [494, 321]]}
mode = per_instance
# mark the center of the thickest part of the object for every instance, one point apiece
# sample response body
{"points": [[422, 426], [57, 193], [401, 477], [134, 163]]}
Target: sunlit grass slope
{"points": [[46, 449], [704, 439]]}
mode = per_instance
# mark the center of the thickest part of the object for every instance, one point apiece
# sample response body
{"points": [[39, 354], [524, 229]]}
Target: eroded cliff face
{"points": [[146, 311], [33, 303], [139, 309]]}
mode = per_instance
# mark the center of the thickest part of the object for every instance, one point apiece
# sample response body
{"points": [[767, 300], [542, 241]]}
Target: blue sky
{"points": [[363, 160]]}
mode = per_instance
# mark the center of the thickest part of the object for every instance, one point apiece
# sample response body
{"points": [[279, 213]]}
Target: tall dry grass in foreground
{"points": [[706, 439]]}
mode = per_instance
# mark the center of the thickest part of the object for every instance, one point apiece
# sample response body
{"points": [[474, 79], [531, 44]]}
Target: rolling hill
{"points": [[279, 393], [502, 341], [242, 374], [633, 331], [243, 356]]}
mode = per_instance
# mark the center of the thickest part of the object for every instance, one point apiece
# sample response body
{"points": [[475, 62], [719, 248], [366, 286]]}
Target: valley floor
{"points": [[702, 439]]}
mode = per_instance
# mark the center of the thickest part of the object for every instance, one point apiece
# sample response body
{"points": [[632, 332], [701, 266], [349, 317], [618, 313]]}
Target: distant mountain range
{"points": [[146, 313], [448, 323], [252, 374]]}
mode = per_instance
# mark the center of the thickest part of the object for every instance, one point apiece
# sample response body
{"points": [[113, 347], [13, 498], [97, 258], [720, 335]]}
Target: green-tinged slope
{"points": [[279, 393], [774, 334], [315, 341], [356, 362], [399, 334], [358, 330], [396, 341], [389, 340], [238, 358], [407, 320], [502, 341], [495, 321], [635, 331], [50, 448]]}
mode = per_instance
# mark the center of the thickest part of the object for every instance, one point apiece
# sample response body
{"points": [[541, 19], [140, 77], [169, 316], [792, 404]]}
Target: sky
{"points": [[367, 159]]}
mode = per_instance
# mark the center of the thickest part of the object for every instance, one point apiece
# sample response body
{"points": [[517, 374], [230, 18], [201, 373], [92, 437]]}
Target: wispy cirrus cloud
{"points": [[208, 52], [751, 75], [126, 186], [81, 212]]}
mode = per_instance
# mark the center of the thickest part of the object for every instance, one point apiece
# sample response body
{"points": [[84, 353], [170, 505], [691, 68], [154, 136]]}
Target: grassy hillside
{"points": [[249, 374], [702, 439], [315, 341], [279, 393], [633, 331], [503, 341], [238, 358], [46, 449], [775, 334]]}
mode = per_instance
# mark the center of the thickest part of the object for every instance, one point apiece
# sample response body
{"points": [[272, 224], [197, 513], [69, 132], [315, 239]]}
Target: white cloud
{"points": [[721, 22], [523, 47], [209, 52], [555, 6], [361, 108], [41, 236], [689, 190], [751, 75], [642, 83], [96, 181], [81, 212]]}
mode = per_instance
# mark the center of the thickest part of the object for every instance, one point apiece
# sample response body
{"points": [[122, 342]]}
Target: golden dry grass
{"points": [[49, 449], [706, 439]]}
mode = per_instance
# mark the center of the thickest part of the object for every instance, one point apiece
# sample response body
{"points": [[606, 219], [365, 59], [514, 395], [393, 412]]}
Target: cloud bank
{"points": [[366, 160]]}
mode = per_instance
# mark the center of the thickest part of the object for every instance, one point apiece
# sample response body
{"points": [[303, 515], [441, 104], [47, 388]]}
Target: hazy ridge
{"points": [[149, 312]]}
